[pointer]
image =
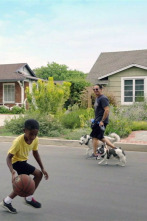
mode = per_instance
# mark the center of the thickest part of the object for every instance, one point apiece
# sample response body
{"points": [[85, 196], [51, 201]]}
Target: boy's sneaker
{"points": [[8, 207], [33, 203]]}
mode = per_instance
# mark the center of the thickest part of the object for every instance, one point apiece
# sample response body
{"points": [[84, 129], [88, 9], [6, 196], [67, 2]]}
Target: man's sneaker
{"points": [[8, 207], [33, 203]]}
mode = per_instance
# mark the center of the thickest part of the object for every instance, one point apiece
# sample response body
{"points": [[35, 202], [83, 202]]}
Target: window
{"points": [[139, 90], [133, 90], [9, 93]]}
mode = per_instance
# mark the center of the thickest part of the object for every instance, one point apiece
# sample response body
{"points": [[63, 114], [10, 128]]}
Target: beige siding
{"points": [[114, 85]]}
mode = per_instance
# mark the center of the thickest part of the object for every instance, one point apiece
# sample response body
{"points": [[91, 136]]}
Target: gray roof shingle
{"points": [[10, 72], [109, 62]]}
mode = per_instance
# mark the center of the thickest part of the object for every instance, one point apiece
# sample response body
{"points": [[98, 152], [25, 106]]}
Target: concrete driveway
{"points": [[81, 190]]}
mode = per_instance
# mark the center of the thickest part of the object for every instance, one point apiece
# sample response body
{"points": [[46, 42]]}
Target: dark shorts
{"points": [[22, 167], [97, 132]]}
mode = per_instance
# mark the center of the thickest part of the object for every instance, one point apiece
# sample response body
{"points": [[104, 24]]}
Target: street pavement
{"points": [[81, 190]]}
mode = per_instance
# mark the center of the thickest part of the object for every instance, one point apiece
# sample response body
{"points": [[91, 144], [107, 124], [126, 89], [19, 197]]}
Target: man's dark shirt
{"points": [[100, 103]]}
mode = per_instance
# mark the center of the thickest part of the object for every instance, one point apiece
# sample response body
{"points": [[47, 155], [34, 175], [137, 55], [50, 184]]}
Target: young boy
{"points": [[17, 161]]}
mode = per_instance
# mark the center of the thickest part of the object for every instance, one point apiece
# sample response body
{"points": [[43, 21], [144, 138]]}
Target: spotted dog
{"points": [[87, 140], [107, 154]]}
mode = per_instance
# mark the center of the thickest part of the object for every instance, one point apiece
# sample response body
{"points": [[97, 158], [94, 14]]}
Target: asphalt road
{"points": [[81, 190]]}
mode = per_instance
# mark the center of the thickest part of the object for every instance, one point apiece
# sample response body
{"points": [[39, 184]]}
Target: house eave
{"points": [[122, 69], [29, 69], [11, 80], [19, 79], [104, 82]]}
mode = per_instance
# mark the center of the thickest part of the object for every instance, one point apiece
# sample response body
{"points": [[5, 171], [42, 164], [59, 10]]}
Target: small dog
{"points": [[107, 154], [87, 140]]}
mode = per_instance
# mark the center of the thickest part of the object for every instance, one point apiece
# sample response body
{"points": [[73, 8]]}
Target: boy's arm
{"points": [[38, 159], [9, 163]]}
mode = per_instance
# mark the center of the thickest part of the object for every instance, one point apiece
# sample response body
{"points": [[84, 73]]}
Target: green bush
{"points": [[15, 125], [139, 125], [118, 123], [134, 112], [17, 110], [4, 110], [49, 126], [78, 118], [121, 127], [12, 110]]}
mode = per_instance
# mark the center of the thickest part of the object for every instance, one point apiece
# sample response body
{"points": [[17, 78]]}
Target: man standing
{"points": [[101, 108]]}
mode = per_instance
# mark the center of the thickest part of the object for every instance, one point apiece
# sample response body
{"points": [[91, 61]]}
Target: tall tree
{"points": [[59, 72]]}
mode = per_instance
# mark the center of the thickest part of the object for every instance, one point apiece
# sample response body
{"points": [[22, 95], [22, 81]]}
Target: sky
{"points": [[70, 32]]}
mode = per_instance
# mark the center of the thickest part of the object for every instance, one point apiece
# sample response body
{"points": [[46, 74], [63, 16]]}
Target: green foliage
{"points": [[125, 119], [17, 110], [119, 126], [76, 119], [46, 97], [5, 132], [15, 125], [62, 73], [13, 110], [49, 126], [77, 133], [134, 112], [77, 87], [75, 122], [58, 72], [4, 110], [139, 125]]}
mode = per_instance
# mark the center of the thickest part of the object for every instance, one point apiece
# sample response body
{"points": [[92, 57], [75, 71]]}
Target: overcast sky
{"points": [[70, 32]]}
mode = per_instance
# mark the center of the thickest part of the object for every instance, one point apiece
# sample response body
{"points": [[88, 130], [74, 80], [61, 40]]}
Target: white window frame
{"points": [[7, 102], [132, 78]]}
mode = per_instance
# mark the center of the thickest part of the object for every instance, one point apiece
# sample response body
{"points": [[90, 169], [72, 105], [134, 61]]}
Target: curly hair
{"points": [[31, 124]]}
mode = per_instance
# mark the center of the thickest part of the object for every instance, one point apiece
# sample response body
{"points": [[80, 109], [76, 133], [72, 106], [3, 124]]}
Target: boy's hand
{"points": [[46, 176]]}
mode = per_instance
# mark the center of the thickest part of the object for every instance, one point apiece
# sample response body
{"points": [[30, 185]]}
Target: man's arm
{"points": [[105, 115]]}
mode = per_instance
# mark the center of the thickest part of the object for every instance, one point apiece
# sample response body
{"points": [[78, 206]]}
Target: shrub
{"points": [[134, 112], [48, 97], [139, 125], [77, 119], [17, 110], [121, 127], [49, 126], [4, 110], [15, 125], [118, 124]]}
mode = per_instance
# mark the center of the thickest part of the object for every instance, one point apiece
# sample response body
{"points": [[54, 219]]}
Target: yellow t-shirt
{"points": [[20, 149]]}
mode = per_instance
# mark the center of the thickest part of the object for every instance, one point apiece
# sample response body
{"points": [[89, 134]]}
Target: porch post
{"points": [[22, 91]]}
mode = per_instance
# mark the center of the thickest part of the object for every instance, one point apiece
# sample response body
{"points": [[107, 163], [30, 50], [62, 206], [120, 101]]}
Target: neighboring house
{"points": [[123, 73], [14, 78]]}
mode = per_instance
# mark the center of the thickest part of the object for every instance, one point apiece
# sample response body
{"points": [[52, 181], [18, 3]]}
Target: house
{"points": [[124, 74], [14, 78]]}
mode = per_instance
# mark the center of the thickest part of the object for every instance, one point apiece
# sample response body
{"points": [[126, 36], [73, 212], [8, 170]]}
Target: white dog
{"points": [[107, 154], [87, 140]]}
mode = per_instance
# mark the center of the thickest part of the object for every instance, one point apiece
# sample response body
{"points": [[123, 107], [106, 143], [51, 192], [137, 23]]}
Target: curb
{"points": [[75, 143], [132, 146]]}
